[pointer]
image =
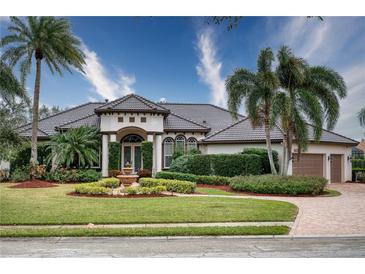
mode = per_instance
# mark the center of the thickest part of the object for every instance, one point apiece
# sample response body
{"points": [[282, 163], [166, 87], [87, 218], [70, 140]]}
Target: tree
{"points": [[45, 111], [258, 90], [48, 39], [76, 147], [10, 88], [306, 94], [361, 116]]}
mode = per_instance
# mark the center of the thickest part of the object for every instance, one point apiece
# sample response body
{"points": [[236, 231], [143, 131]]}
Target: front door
{"points": [[132, 154]]}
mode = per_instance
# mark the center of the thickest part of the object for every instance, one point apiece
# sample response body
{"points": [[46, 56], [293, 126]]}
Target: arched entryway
{"points": [[131, 152]]}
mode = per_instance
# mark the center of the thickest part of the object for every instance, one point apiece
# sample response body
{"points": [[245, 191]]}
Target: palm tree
{"points": [[9, 85], [307, 94], [361, 116], [48, 39], [258, 90], [78, 146]]}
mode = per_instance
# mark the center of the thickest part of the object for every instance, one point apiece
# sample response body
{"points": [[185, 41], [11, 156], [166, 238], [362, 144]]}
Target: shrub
{"points": [[262, 152], [171, 185], [22, 157], [92, 189], [358, 164], [180, 164], [114, 172], [20, 174], [227, 165], [114, 155], [72, 176], [109, 182], [144, 173], [199, 179], [145, 190], [269, 184], [147, 154]]}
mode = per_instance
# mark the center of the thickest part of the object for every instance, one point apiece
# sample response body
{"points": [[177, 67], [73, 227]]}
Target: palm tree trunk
{"points": [[283, 162], [34, 154], [288, 151], [269, 149]]}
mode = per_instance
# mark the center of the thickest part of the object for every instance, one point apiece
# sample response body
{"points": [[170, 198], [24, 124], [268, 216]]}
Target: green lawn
{"points": [[53, 206], [213, 191], [140, 232]]}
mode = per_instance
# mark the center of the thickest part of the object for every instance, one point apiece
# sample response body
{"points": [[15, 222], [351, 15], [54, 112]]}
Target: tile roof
{"points": [[214, 117], [330, 137], [132, 102], [174, 122], [90, 120], [242, 131], [47, 125]]}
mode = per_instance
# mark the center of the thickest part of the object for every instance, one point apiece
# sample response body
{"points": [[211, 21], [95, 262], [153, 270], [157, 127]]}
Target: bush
{"points": [[262, 152], [92, 189], [72, 176], [114, 155], [270, 184], [171, 185], [199, 179], [227, 165], [147, 154], [109, 182], [20, 174], [145, 190], [22, 157], [358, 164], [144, 173]]}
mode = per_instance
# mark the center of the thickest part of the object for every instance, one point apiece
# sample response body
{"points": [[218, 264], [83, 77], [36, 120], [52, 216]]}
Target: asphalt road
{"points": [[184, 247]]}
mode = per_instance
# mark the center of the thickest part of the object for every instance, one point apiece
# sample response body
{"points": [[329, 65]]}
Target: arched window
{"points": [[180, 144], [192, 144], [132, 138], [168, 151]]}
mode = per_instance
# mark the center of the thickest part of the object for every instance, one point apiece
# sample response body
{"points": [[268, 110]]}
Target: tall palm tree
{"points": [[307, 94], [258, 90], [361, 116], [9, 85], [48, 39]]}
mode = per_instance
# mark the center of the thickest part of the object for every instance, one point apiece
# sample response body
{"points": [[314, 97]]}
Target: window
{"points": [[143, 119], [180, 144], [131, 138], [120, 119], [168, 150], [131, 119], [192, 144]]}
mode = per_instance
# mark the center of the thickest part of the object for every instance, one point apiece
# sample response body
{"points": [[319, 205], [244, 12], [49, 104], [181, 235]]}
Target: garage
{"points": [[308, 164], [336, 170]]}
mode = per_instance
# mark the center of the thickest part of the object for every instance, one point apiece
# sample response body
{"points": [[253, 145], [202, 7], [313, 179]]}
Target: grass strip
{"points": [[144, 232]]}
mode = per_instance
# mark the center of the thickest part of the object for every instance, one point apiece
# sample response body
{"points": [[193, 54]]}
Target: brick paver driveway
{"points": [[340, 215]]}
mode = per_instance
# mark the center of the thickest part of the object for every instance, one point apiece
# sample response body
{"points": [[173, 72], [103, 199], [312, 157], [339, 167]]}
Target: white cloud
{"points": [[209, 68], [337, 43], [104, 86]]}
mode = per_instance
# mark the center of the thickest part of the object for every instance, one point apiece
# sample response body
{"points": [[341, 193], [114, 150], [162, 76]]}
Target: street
{"points": [[185, 247]]}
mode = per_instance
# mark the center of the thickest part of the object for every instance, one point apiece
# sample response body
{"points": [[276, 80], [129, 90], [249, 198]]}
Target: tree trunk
{"points": [[269, 149], [34, 154], [283, 162], [288, 151]]}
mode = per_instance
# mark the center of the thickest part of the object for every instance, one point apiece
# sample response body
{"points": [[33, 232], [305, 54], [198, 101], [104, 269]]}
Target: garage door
{"points": [[336, 175], [308, 164]]}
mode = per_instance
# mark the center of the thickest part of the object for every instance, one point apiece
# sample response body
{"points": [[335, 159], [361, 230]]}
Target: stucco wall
{"points": [[109, 122]]}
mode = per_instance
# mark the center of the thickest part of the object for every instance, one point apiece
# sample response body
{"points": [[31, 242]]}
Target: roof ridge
{"points": [[335, 133], [79, 119], [224, 129], [38, 129], [189, 120], [61, 112], [148, 102]]}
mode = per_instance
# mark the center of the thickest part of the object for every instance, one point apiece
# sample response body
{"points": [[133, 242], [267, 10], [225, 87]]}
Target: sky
{"points": [[185, 59]]}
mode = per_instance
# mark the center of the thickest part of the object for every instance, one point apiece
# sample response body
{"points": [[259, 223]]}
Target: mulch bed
{"points": [[119, 196], [34, 184], [224, 187]]}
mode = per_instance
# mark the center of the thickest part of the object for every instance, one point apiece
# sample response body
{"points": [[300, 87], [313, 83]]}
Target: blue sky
{"points": [[183, 59]]}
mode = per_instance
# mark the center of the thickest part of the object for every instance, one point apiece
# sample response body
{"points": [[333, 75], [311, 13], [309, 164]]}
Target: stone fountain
{"points": [[127, 178]]}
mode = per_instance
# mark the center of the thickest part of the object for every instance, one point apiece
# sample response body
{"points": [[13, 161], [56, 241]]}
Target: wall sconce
{"points": [[349, 158], [329, 157]]}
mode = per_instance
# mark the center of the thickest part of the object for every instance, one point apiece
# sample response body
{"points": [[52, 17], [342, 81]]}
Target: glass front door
{"points": [[132, 154]]}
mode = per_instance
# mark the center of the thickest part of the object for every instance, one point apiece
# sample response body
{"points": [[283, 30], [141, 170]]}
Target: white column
{"points": [[158, 153], [105, 156], [327, 167], [290, 167], [151, 138], [113, 138]]}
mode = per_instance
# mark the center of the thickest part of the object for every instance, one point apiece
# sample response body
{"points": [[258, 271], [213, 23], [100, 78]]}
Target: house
{"points": [[359, 150], [181, 127]]}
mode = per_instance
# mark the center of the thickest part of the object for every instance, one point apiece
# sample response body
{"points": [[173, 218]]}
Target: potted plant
{"points": [[128, 169]]}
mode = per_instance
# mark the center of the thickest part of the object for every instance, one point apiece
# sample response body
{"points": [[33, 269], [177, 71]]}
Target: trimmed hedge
{"points": [[92, 188], [109, 182], [227, 165], [270, 184], [73, 175], [358, 164], [199, 179], [145, 190], [262, 152], [171, 185], [147, 154], [114, 156]]}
